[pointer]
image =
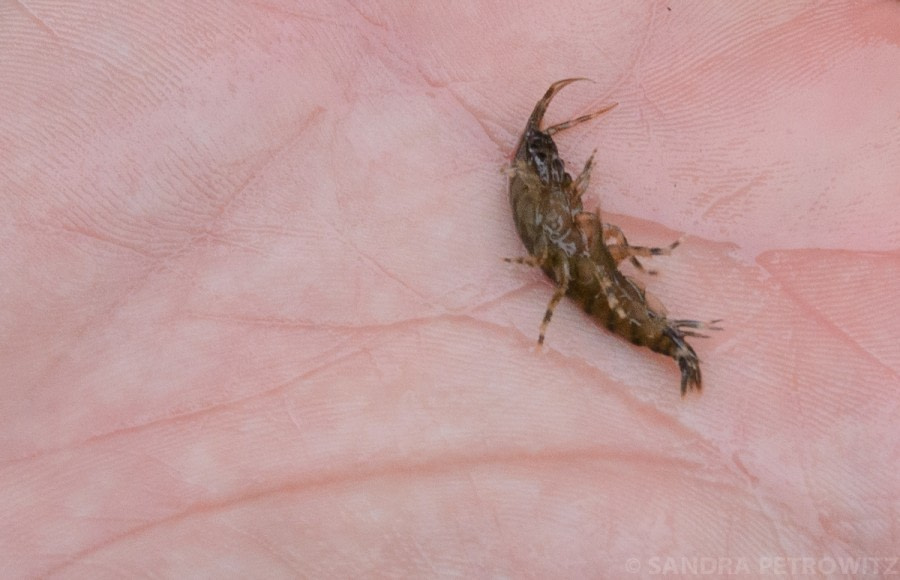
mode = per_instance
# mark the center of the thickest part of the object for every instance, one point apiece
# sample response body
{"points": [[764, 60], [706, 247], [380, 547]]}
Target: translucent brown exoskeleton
{"points": [[581, 253]]}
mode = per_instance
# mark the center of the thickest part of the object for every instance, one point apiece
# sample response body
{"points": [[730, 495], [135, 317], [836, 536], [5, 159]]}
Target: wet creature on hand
{"points": [[571, 246]]}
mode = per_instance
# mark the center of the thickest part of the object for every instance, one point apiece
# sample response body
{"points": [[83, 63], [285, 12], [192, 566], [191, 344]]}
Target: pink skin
{"points": [[255, 319]]}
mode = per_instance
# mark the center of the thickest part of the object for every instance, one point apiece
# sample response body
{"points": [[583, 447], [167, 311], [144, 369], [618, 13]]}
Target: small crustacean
{"points": [[581, 253]]}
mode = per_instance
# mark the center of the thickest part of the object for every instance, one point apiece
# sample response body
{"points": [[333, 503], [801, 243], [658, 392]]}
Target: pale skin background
{"points": [[255, 321]]}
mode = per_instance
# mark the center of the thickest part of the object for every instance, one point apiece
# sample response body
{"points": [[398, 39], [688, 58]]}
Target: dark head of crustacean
{"points": [[540, 152], [543, 213], [543, 209]]}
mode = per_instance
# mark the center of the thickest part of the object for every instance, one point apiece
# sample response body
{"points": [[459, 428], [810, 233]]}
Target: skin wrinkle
{"points": [[212, 239], [36, 20], [173, 395], [829, 324], [69, 46], [375, 264], [349, 476], [270, 549], [634, 66], [661, 415], [375, 23], [214, 217], [184, 417], [641, 408], [92, 323], [502, 145], [742, 189], [427, 321], [105, 239], [406, 469], [270, 157]]}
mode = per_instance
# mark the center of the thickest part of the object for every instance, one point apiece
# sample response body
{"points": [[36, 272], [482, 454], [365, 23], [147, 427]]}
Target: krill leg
{"points": [[621, 249], [561, 288], [581, 182], [576, 121]]}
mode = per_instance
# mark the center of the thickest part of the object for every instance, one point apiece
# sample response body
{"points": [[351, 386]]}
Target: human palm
{"points": [[256, 319]]}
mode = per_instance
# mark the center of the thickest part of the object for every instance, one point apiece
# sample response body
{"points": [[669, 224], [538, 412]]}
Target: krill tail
{"points": [[687, 359]]}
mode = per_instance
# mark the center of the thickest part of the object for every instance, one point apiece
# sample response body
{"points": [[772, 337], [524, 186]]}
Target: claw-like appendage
{"points": [[537, 115], [687, 361]]}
